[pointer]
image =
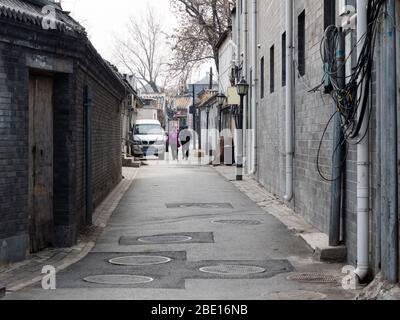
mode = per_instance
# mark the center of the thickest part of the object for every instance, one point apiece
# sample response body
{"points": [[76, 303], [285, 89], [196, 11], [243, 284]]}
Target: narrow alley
{"points": [[199, 150], [186, 232]]}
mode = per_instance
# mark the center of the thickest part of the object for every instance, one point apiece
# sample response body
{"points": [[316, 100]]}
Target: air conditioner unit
{"points": [[345, 9]]}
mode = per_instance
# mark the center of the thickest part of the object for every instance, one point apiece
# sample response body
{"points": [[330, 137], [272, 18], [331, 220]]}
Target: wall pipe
{"points": [[87, 103], [337, 166], [379, 113], [363, 189], [388, 127], [254, 46], [246, 73], [289, 101]]}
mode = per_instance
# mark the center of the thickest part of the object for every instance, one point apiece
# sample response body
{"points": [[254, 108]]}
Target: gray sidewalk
{"points": [[186, 232]]}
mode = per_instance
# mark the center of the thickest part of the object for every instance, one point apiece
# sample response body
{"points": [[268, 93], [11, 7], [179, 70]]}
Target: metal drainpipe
{"points": [[389, 201], [337, 184], [246, 73], [254, 95], [379, 113], [87, 103], [289, 101], [362, 165]]}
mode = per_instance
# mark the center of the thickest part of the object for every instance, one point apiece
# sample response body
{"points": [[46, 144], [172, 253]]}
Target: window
{"points": [[302, 43], [284, 59], [272, 69], [148, 129], [262, 78], [329, 13]]}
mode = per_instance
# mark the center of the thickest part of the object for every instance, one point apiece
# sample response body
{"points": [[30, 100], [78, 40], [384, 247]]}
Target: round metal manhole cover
{"points": [[314, 278], [139, 260], [239, 222], [118, 279], [296, 295], [165, 239], [232, 270]]}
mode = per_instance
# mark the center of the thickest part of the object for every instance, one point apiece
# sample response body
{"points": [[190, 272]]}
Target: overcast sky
{"points": [[105, 19]]}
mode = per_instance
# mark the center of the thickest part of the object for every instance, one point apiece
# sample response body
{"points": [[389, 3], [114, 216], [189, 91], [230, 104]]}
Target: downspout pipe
{"points": [[255, 91], [87, 101], [363, 189], [246, 73], [289, 101], [389, 201], [337, 166]]}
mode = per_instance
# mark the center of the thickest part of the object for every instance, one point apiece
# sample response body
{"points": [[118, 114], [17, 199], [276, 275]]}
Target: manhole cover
{"points": [[314, 278], [139, 260], [296, 295], [165, 239], [118, 279], [239, 222], [199, 205], [232, 270]]}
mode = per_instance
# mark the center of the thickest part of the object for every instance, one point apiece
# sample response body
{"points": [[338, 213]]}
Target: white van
{"points": [[149, 139]]}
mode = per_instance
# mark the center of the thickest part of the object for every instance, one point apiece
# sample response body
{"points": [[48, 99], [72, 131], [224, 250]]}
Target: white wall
{"points": [[147, 114]]}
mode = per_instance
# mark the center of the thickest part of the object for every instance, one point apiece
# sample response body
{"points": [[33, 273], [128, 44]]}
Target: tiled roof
{"points": [[183, 102], [30, 12]]}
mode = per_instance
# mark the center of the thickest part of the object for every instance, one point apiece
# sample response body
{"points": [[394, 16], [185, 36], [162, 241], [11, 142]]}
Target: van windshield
{"points": [[148, 129]]}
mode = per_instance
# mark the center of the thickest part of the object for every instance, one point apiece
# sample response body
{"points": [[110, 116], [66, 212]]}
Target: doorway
{"points": [[41, 218]]}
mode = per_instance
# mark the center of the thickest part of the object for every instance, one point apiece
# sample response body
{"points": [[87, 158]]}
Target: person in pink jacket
{"points": [[173, 142]]}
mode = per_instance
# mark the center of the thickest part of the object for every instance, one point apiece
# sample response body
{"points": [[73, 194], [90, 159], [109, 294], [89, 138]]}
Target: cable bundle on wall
{"points": [[351, 106]]}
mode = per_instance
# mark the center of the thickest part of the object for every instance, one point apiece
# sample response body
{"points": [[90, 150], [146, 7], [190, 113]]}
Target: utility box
{"points": [[228, 154]]}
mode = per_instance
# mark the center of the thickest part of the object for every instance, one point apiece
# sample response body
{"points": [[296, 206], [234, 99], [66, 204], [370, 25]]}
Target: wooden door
{"points": [[40, 162]]}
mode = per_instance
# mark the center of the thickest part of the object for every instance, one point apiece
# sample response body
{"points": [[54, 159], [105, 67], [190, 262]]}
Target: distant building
{"points": [[149, 110], [129, 114], [202, 84], [157, 102]]}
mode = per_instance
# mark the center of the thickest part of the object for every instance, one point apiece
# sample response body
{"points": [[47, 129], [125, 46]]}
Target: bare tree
{"points": [[143, 51], [201, 24]]}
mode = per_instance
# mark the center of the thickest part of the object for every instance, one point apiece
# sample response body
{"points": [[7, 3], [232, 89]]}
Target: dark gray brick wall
{"points": [[106, 142], [69, 152], [13, 152]]}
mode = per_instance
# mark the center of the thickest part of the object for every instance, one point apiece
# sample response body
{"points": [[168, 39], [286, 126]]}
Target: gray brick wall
{"points": [[69, 152], [106, 142], [312, 112], [13, 144]]}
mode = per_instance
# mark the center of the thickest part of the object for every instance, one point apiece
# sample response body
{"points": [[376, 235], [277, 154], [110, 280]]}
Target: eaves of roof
{"points": [[33, 13]]}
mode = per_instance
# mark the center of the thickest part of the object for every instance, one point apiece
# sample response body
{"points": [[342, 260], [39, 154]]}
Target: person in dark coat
{"points": [[185, 138]]}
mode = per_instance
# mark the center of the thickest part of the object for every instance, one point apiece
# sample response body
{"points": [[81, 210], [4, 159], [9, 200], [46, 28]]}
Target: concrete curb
{"points": [[101, 217], [317, 241]]}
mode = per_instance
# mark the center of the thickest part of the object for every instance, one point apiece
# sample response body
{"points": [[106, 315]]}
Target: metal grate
{"points": [[239, 222], [199, 205], [233, 270], [118, 279], [314, 278], [139, 260], [165, 239]]}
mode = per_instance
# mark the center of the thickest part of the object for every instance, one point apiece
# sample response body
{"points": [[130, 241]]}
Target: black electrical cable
{"points": [[352, 102]]}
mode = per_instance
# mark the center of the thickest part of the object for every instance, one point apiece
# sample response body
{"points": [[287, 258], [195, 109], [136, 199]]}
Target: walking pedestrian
{"points": [[173, 142], [185, 138]]}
